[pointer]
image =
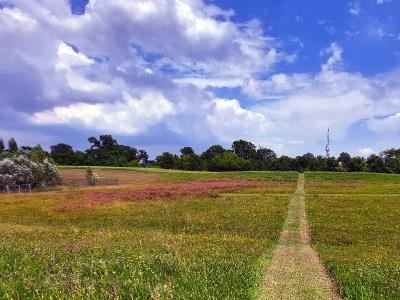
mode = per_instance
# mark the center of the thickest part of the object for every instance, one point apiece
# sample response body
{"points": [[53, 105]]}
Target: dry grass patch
{"points": [[77, 177]]}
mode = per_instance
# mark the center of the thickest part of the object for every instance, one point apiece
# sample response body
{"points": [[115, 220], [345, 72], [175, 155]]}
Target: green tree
{"points": [[38, 154], [331, 164], [12, 145], [320, 164], [391, 158], [375, 164], [264, 159], [391, 153], [212, 152], [62, 154], [285, 163], [357, 164], [107, 142], [1, 145], [94, 141], [81, 159], [244, 149], [167, 160], [344, 159], [229, 162], [187, 151], [190, 162], [305, 162], [143, 157], [107, 151]]}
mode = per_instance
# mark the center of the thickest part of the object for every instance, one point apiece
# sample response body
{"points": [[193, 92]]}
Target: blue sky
{"points": [[319, 23], [164, 74]]}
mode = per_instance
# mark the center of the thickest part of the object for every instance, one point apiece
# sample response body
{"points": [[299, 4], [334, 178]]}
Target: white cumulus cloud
{"points": [[129, 116], [367, 151]]}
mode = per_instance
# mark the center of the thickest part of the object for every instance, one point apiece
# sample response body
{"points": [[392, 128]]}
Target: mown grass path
{"points": [[295, 271]]}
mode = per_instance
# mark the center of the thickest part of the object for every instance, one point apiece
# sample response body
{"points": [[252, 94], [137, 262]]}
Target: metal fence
{"points": [[18, 188]]}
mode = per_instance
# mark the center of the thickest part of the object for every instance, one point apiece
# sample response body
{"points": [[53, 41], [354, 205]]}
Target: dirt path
{"points": [[295, 271]]}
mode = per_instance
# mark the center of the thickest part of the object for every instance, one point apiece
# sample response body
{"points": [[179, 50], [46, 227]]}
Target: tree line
{"points": [[103, 151], [242, 156]]}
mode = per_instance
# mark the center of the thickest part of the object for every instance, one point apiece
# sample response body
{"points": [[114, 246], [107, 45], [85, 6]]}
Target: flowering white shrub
{"points": [[52, 175], [14, 171], [7, 166], [92, 177], [22, 170], [6, 179]]}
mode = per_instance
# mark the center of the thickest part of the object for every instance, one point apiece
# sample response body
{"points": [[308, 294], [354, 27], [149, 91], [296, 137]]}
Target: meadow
{"points": [[164, 234], [355, 228], [181, 242]]}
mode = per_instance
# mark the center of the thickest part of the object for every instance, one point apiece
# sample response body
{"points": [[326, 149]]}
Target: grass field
{"points": [[354, 222], [156, 234], [214, 243], [352, 183]]}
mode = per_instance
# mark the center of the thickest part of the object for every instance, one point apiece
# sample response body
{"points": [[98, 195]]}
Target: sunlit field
{"points": [[354, 220], [154, 235]]}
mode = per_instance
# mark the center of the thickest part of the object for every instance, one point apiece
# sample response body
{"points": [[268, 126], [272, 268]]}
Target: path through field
{"points": [[295, 271]]}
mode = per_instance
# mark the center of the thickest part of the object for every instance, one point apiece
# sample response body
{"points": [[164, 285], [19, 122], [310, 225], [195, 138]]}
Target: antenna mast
{"points": [[327, 147]]}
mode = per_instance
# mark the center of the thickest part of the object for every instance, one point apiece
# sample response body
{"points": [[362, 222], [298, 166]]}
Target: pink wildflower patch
{"points": [[197, 188]]}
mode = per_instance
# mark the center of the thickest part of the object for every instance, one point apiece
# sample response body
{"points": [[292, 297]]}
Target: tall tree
{"points": [[107, 141], [107, 151], [142, 156], [344, 159], [187, 151], [244, 149], [265, 154], [229, 161], [1, 145], [305, 162], [212, 152], [285, 163], [167, 160], [391, 153], [94, 141], [375, 164], [331, 164], [190, 162], [320, 164], [12, 145], [357, 164], [264, 159], [391, 158], [63, 154]]}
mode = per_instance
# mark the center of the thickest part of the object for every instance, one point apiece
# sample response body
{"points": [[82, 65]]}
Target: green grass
{"points": [[352, 183], [185, 248], [357, 233], [288, 177]]}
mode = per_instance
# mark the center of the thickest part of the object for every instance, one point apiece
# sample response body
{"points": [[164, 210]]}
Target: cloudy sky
{"points": [[162, 74]]}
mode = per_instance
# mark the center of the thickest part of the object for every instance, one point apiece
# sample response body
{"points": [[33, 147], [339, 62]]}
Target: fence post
{"points": [[30, 188], [19, 188]]}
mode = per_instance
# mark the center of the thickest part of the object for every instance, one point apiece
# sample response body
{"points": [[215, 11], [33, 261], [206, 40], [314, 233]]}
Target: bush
{"points": [[21, 169], [133, 164], [92, 177]]}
